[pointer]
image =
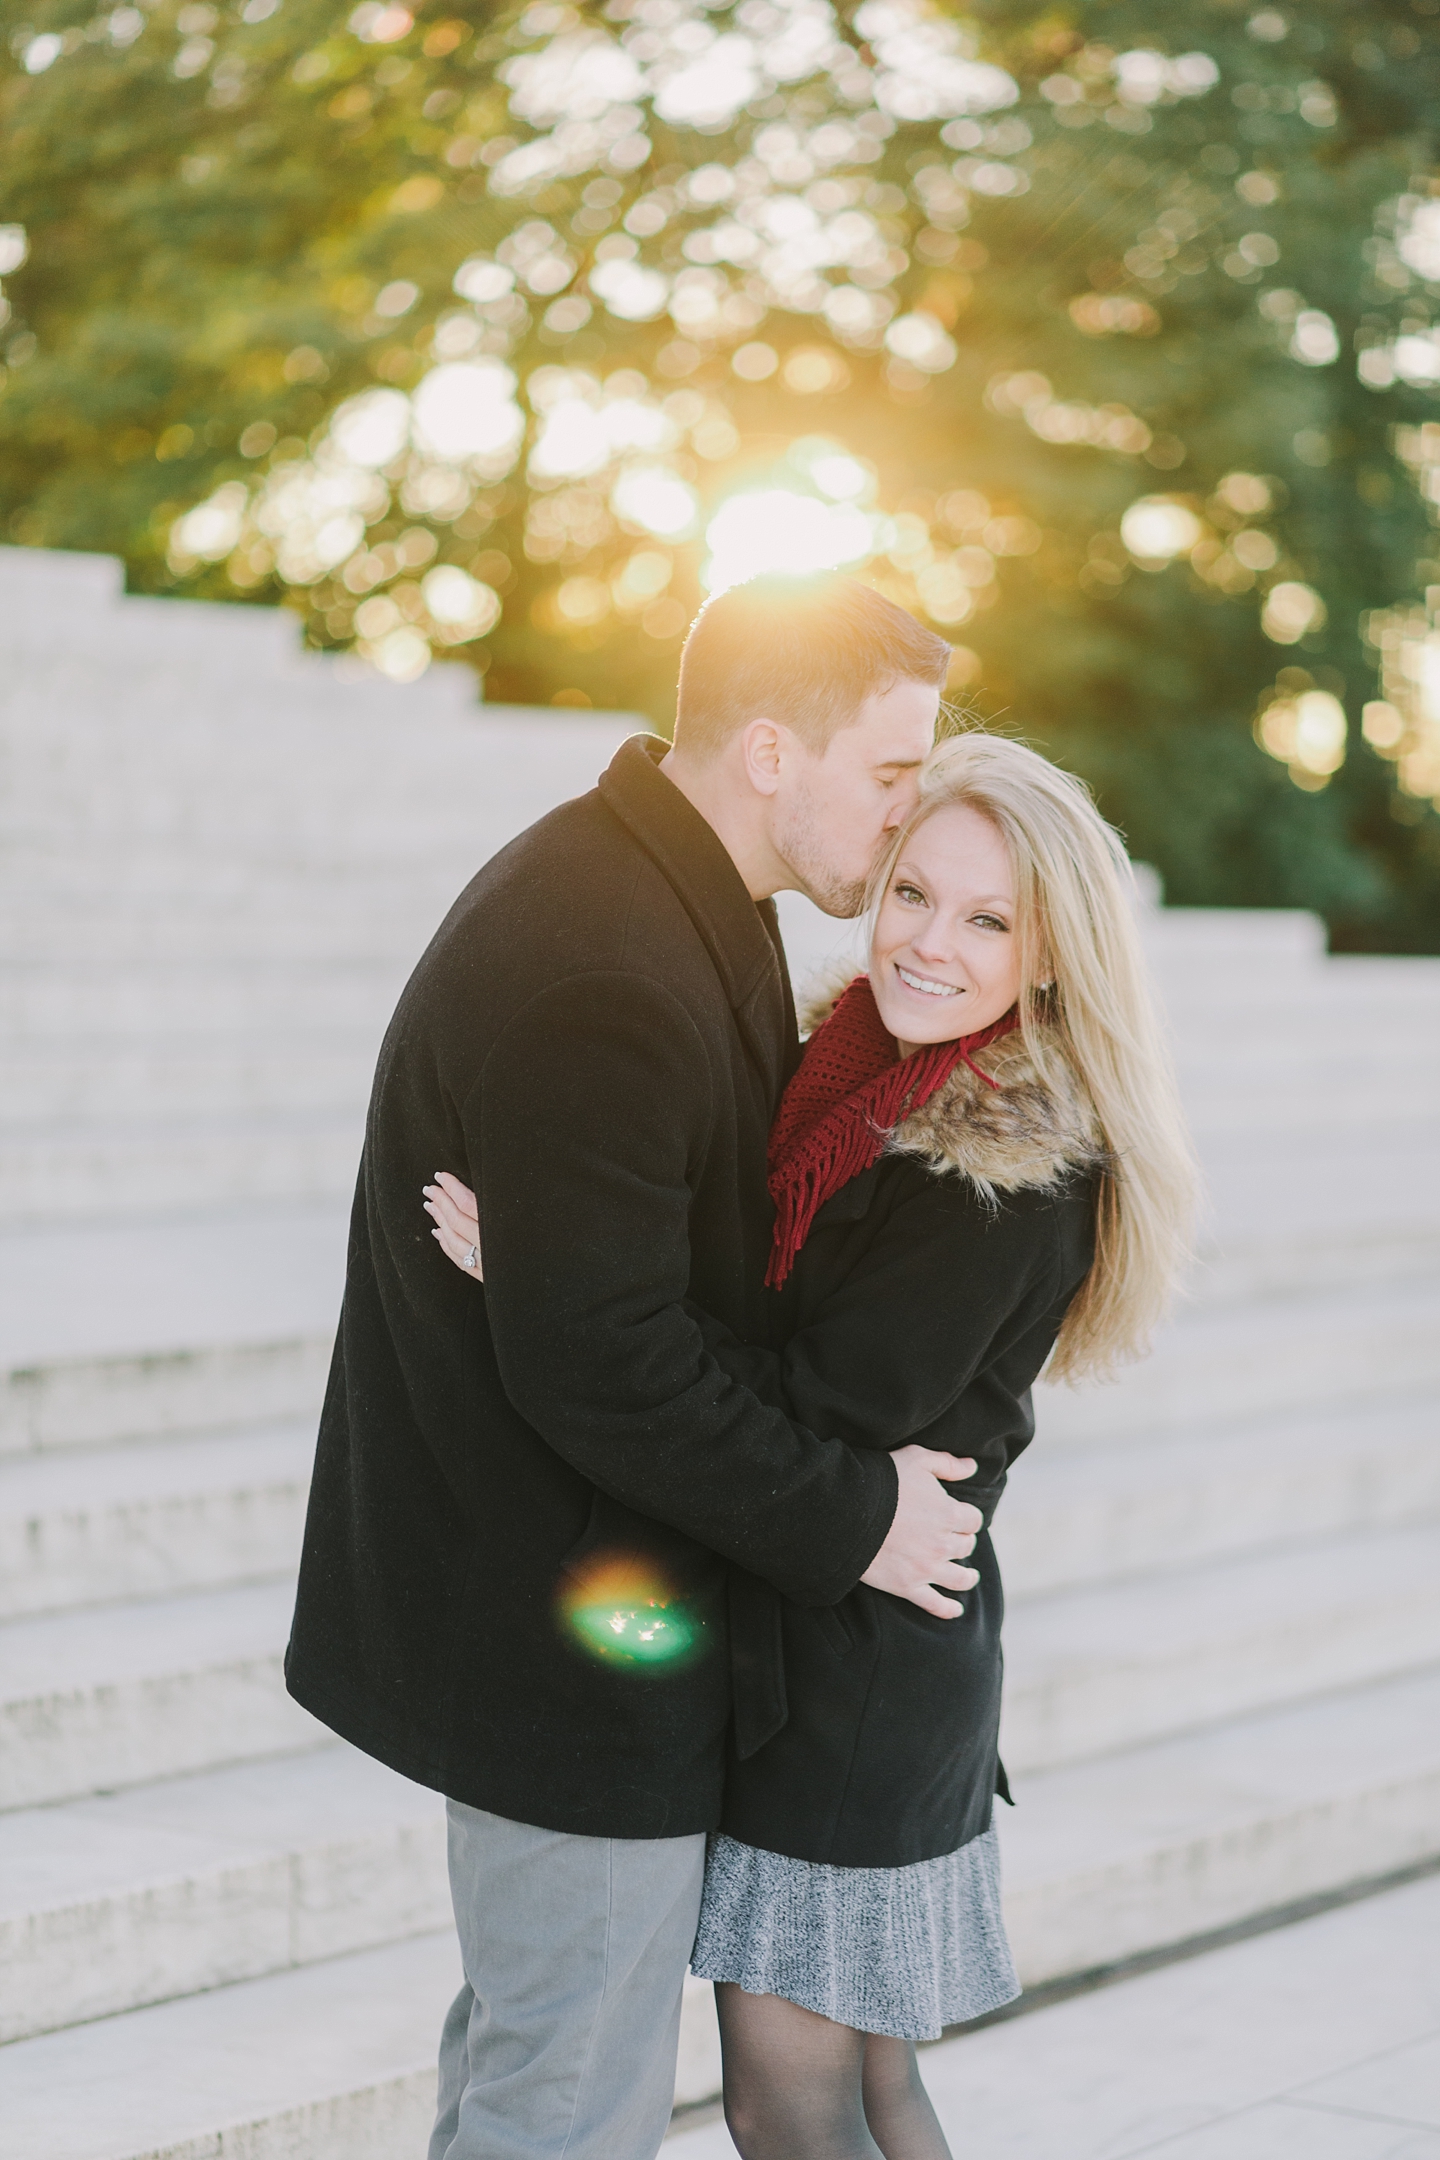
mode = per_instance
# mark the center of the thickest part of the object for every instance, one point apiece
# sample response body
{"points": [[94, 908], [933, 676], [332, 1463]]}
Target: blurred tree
{"points": [[228, 216], [1086, 330]]}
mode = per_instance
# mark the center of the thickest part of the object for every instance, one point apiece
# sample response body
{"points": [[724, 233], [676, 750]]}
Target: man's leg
{"points": [[561, 2045]]}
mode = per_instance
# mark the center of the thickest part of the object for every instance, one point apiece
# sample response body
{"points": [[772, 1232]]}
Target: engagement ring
{"points": [[472, 1257]]}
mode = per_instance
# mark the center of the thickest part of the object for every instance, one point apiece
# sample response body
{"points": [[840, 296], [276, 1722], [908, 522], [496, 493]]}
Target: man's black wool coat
{"points": [[596, 1040]]}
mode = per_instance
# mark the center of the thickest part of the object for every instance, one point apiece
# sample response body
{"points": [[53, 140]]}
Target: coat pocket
{"points": [[835, 1628]]}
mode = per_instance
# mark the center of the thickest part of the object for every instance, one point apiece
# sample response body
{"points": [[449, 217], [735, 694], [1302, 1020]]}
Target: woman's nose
{"points": [[932, 944]]}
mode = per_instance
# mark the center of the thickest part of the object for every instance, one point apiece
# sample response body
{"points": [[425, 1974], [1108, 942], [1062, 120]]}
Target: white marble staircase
{"points": [[223, 1934]]}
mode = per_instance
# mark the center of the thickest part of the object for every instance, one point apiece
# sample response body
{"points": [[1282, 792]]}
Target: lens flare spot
{"points": [[621, 1609]]}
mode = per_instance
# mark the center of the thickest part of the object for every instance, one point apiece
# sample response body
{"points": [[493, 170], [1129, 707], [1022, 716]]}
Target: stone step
{"points": [[1306, 1098], [136, 1897], [225, 914], [126, 890], [123, 1694], [335, 2061], [1276, 1222], [126, 1693], [1289, 936], [1222, 993], [97, 1002], [138, 1520], [1215, 1364], [88, 1528], [1258, 1183], [157, 1881], [85, 1171], [1239, 1362], [346, 917], [49, 1077], [1098, 1670], [110, 1401], [1277, 1262], [339, 778], [1218, 982], [1076, 1518], [1109, 1858], [116, 1083], [209, 1322], [328, 2062]]}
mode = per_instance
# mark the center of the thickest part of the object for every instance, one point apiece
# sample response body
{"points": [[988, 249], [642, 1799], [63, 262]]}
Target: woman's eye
{"points": [[990, 922], [911, 895]]}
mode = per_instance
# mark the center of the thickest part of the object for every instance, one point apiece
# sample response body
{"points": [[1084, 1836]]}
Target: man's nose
{"points": [[904, 800]]}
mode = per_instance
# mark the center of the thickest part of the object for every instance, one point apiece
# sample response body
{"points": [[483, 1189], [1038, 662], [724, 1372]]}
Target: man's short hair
{"points": [[805, 651]]}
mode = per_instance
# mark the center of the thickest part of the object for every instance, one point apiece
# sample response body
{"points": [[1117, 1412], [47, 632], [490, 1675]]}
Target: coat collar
{"points": [[742, 939], [1029, 1128]]}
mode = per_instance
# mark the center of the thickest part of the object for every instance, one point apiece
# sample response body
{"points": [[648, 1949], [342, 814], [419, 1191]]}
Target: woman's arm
{"points": [[941, 1290], [771, 1377]]}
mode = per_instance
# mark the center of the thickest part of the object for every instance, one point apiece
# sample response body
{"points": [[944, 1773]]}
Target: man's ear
{"points": [[762, 745]]}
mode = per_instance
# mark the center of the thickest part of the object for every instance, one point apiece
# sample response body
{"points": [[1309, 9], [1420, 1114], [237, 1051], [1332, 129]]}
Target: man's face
{"points": [[834, 812]]}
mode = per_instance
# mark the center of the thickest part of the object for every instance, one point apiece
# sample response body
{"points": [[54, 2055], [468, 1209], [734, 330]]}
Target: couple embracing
{"points": [[654, 1530]]}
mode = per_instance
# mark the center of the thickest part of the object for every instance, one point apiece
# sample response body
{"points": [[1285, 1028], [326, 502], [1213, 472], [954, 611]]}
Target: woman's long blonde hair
{"points": [[1084, 980]]}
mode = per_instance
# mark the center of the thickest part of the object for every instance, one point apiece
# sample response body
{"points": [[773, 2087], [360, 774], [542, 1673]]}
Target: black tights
{"points": [[800, 2087]]}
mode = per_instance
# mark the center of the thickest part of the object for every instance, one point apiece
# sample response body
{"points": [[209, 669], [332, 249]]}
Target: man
{"points": [[526, 1494]]}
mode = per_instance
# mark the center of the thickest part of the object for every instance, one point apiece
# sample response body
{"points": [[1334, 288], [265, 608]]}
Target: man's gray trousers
{"points": [[561, 2043]]}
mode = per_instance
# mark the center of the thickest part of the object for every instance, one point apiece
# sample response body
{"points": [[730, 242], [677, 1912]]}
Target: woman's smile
{"points": [[927, 985]]}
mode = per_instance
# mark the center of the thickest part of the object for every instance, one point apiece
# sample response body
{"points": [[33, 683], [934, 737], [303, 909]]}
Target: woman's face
{"points": [[944, 957]]}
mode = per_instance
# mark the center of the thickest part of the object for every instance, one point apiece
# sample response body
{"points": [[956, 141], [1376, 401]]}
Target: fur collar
{"points": [[1027, 1132]]}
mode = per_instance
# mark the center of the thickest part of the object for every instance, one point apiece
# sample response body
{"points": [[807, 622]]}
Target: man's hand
{"points": [[930, 1536]]}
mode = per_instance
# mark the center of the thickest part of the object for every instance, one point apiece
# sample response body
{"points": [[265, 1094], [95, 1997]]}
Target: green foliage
{"points": [[1123, 281]]}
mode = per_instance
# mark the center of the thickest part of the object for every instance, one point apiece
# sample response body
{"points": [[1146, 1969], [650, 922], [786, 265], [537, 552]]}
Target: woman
{"points": [[980, 1165]]}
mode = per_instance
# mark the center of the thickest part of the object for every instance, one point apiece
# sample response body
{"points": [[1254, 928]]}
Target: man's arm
{"points": [[945, 1286], [588, 1126]]}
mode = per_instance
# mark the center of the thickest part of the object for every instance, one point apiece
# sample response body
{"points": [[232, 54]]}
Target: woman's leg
{"points": [[800, 2087], [792, 2081], [897, 2106]]}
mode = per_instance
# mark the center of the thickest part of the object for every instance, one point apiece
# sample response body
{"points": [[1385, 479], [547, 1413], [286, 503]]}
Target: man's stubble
{"points": [[802, 846]]}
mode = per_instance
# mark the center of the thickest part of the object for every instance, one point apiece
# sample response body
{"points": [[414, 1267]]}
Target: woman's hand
{"points": [[451, 1207]]}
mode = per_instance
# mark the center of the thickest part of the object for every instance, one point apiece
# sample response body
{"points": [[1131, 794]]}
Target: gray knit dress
{"points": [[904, 1951]]}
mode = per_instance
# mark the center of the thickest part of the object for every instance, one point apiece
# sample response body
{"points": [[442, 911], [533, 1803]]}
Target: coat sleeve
{"points": [[587, 1128], [944, 1287]]}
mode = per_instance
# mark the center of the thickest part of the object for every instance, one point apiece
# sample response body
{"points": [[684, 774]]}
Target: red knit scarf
{"points": [[849, 1093]]}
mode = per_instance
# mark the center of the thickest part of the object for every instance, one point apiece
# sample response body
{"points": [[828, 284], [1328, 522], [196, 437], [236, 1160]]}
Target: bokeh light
{"points": [[778, 529], [372, 428], [1157, 529], [1291, 611], [754, 287], [655, 500], [1305, 729], [618, 1608], [466, 409]]}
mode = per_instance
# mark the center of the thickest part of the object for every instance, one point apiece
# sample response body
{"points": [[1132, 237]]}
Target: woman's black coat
{"points": [[919, 1310], [596, 1039]]}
